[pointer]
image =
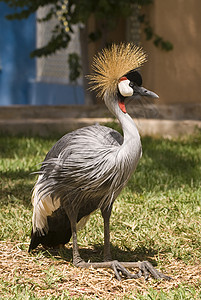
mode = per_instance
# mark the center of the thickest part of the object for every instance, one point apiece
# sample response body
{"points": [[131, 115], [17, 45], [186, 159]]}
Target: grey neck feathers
{"points": [[130, 132], [129, 153]]}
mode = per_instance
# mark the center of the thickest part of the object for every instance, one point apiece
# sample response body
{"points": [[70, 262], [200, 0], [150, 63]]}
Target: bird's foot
{"points": [[114, 265], [79, 262], [119, 268], [146, 269], [120, 271]]}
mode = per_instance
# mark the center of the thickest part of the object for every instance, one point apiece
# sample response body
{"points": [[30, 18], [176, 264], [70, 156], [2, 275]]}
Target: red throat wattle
{"points": [[122, 106], [121, 103]]}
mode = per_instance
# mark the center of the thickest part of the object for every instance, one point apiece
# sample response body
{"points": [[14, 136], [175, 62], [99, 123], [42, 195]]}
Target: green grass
{"points": [[157, 215]]}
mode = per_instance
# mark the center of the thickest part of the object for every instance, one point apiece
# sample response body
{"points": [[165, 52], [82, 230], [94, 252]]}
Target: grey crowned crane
{"points": [[87, 168]]}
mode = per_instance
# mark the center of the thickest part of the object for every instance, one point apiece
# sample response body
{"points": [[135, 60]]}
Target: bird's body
{"points": [[75, 177], [87, 168]]}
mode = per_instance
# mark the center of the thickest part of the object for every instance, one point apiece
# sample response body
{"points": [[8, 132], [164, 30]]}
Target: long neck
{"points": [[128, 154], [130, 132]]}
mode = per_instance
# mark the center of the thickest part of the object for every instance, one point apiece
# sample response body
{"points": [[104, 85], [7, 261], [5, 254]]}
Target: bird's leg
{"points": [[119, 268], [145, 268], [106, 213], [77, 260], [115, 265]]}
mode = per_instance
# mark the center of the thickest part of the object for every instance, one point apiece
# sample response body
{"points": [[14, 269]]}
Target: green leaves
{"points": [[151, 35], [57, 42], [160, 42], [106, 12], [74, 66]]}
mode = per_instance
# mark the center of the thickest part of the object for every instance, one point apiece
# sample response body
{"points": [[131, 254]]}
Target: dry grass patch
{"points": [[43, 275]]}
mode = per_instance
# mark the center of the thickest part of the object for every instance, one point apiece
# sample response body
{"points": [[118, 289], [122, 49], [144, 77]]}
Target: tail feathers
{"points": [[50, 239], [35, 241]]}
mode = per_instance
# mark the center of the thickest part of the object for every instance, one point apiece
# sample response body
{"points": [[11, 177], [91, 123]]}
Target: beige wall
{"points": [[175, 75]]}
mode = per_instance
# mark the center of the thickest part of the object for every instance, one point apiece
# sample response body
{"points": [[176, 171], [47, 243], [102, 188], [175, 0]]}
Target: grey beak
{"points": [[144, 92]]}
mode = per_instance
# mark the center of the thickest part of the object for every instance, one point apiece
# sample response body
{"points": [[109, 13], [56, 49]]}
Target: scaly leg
{"points": [[77, 260], [106, 213], [119, 268]]}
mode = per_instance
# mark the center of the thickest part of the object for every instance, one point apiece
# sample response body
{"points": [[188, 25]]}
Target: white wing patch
{"points": [[42, 208]]}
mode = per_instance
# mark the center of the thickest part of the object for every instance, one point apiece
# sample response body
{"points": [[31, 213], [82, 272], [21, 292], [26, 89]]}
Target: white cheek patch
{"points": [[124, 88]]}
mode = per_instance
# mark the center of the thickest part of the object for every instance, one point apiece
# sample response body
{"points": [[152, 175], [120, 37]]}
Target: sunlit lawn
{"points": [[157, 216]]}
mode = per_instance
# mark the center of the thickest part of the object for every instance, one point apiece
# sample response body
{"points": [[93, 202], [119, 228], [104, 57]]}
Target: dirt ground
{"points": [[51, 275]]}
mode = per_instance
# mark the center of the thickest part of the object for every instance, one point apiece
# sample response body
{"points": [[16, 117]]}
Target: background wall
{"points": [[17, 39], [24, 80], [175, 75]]}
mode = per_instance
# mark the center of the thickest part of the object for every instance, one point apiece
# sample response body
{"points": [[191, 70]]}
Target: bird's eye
{"points": [[131, 84]]}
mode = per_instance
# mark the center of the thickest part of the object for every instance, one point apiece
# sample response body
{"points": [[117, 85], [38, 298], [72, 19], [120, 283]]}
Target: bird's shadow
{"points": [[95, 254]]}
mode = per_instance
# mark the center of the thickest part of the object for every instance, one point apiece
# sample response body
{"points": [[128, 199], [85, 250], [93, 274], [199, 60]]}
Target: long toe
{"points": [[147, 268], [119, 268], [121, 271]]}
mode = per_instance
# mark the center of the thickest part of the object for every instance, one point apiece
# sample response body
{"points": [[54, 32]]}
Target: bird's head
{"points": [[130, 86], [116, 74]]}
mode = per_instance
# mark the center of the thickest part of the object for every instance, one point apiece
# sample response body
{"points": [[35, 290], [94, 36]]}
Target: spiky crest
{"points": [[112, 63]]}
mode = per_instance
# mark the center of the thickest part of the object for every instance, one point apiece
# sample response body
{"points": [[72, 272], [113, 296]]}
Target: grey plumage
{"points": [[84, 169], [87, 168]]}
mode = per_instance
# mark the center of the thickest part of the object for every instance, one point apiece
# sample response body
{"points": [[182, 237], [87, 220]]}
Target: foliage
{"points": [[74, 66], [71, 12], [151, 35]]}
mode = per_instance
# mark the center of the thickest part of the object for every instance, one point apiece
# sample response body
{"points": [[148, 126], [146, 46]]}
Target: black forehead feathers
{"points": [[135, 77]]}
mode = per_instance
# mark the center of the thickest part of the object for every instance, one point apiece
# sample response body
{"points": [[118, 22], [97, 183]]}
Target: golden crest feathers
{"points": [[112, 63]]}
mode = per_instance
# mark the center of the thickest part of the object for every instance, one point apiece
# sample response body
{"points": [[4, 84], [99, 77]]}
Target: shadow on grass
{"points": [[16, 188], [12, 146], [19, 174], [166, 163], [95, 254]]}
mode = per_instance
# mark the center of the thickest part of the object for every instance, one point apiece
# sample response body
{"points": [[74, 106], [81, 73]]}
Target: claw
{"points": [[116, 272], [147, 268], [144, 271], [118, 268]]}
